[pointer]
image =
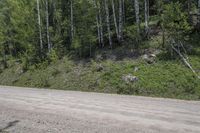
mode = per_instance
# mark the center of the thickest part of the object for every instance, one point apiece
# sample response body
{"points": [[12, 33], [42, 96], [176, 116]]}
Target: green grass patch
{"points": [[169, 79]]}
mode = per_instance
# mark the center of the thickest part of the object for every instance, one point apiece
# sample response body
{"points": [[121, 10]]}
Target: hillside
{"points": [[148, 48], [105, 73]]}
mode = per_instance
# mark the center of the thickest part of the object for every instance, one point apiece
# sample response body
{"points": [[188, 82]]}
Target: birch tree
{"points": [[199, 12], [137, 13], [115, 19], [120, 20], [101, 25], [72, 20], [108, 22], [146, 2], [39, 25], [124, 14], [97, 21], [189, 6], [47, 26]]}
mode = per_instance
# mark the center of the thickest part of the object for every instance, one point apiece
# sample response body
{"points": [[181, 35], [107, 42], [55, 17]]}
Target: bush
{"points": [[175, 22], [52, 56]]}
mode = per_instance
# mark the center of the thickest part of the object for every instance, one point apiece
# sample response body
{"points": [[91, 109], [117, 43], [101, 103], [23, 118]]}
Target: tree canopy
{"points": [[38, 28]]}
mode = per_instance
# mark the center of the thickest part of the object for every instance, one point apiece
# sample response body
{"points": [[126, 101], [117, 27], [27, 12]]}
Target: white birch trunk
{"points": [[137, 13], [97, 21], [123, 5], [47, 26], [72, 20], [108, 22], [39, 25], [199, 12], [101, 26], [189, 11], [120, 20], [115, 20], [146, 2]]}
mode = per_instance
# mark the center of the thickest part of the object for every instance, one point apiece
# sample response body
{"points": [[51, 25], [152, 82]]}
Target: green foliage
{"points": [[19, 28], [132, 33], [76, 43], [25, 61], [175, 20], [52, 56], [169, 79]]}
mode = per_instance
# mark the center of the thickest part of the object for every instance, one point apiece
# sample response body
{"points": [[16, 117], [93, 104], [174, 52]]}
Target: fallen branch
{"points": [[184, 60]]}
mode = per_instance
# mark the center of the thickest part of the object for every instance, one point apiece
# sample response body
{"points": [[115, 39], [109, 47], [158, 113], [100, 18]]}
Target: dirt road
{"points": [[24, 110]]}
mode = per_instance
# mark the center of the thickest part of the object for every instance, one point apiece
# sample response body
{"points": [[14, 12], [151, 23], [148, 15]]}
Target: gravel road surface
{"points": [[28, 110]]}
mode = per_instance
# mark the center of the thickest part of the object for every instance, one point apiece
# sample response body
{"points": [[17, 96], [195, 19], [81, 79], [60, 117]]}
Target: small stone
{"points": [[152, 55], [130, 78], [99, 57], [99, 68], [144, 57], [150, 59], [136, 69]]}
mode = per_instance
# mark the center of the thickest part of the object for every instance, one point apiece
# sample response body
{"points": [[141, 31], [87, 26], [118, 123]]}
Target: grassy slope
{"points": [[165, 78]]}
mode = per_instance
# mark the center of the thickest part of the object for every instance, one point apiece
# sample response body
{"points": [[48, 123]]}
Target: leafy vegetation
{"points": [[169, 79]]}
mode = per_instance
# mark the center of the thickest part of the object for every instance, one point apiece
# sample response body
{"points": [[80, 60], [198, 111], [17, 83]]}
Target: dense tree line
{"points": [[35, 30]]}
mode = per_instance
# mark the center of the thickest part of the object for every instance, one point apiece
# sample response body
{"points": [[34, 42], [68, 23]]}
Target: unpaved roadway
{"points": [[26, 110]]}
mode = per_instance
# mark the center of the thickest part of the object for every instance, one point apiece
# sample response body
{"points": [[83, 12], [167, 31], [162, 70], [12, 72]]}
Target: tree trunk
{"points": [[39, 25], [120, 20], [124, 12], [115, 20], [137, 13], [189, 6], [101, 26], [72, 21], [146, 2], [108, 22], [97, 21], [47, 26], [199, 13]]}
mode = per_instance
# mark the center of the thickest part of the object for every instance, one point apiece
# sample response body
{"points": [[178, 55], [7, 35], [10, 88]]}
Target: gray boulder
{"points": [[130, 78], [150, 59]]}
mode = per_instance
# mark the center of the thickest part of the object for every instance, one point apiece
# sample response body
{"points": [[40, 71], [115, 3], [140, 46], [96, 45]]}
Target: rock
{"points": [[152, 56], [112, 57], [130, 78], [99, 57], [157, 52], [150, 59], [109, 55], [99, 68], [136, 69], [144, 57], [20, 70]]}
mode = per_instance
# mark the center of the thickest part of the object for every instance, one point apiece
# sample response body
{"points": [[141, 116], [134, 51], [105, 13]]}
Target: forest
{"points": [[136, 47]]}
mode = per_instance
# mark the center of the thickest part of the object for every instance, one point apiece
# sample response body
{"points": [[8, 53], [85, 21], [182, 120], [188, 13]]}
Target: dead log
{"points": [[184, 59]]}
